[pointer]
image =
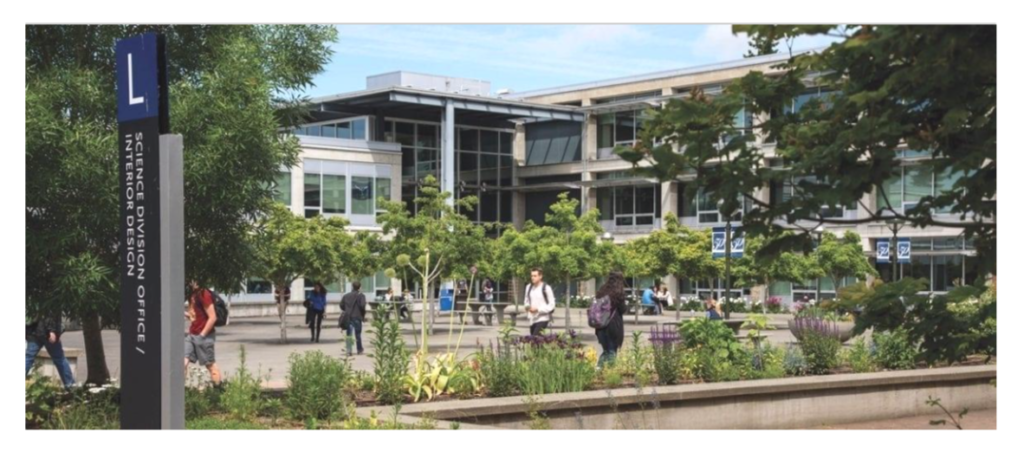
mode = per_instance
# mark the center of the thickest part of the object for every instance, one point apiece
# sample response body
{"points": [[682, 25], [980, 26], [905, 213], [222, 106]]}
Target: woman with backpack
{"points": [[317, 306], [611, 296]]}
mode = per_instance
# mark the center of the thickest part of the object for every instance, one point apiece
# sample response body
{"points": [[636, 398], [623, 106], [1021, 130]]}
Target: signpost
{"points": [[152, 242]]}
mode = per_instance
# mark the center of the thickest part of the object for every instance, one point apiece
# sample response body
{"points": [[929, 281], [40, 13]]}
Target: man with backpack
{"points": [[540, 302], [199, 343], [353, 311]]}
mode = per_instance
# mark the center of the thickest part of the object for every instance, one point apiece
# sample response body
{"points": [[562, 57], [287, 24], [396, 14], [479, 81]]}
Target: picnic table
{"points": [[476, 307]]}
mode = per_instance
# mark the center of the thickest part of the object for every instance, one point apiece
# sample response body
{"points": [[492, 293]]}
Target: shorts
{"points": [[200, 349]]}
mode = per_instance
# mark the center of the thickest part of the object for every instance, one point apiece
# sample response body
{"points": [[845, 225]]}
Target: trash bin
{"points": [[446, 299]]}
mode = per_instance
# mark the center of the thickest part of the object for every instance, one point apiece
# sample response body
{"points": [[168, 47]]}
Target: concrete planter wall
{"points": [[763, 404]]}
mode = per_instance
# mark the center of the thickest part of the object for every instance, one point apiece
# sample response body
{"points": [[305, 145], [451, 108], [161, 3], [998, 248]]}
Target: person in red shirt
{"points": [[199, 342]]}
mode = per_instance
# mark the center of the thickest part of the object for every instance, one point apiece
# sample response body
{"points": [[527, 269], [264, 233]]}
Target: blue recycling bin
{"points": [[446, 299]]}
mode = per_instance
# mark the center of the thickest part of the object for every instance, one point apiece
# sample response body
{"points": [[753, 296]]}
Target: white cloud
{"points": [[718, 43]]}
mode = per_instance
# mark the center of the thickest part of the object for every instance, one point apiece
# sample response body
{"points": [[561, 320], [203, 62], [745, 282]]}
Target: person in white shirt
{"points": [[663, 296], [540, 302]]}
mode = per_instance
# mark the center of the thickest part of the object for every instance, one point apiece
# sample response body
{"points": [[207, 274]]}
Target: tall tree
{"points": [[289, 247], [787, 266], [568, 246], [437, 242], [929, 88], [231, 94], [842, 257]]}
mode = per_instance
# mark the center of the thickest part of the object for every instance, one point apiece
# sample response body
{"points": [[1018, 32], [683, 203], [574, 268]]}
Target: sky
{"points": [[526, 57]]}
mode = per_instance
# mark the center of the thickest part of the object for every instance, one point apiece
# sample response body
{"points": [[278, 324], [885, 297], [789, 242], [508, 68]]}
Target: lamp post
{"points": [[817, 287], [894, 225]]}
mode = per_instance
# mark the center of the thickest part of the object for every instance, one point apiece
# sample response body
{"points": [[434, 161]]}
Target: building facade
{"points": [[518, 151]]}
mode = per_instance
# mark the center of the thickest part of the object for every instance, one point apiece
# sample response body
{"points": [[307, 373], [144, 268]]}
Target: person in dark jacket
{"points": [[46, 332], [317, 306], [353, 311], [611, 336]]}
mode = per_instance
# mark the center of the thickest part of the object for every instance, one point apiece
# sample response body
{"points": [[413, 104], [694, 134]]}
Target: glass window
{"points": [[468, 167], [283, 188], [489, 169], [893, 190], [506, 206], [488, 206], [506, 170], [312, 190], [624, 127], [333, 193], [623, 200], [426, 136], [256, 285], [381, 281], [920, 267], [645, 201], [362, 195], [489, 141], [606, 131], [505, 139], [604, 203], [946, 272], [359, 129], [328, 130], [469, 140], [313, 130], [971, 269], [781, 289], [917, 183], [383, 188], [405, 133], [427, 161], [344, 130]]}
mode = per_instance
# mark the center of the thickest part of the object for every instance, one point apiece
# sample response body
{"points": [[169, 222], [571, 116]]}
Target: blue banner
{"points": [[718, 242], [882, 251], [903, 250]]}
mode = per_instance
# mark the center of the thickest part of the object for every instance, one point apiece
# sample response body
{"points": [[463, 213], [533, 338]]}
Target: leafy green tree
{"points": [[508, 259], [785, 267], [436, 243], [230, 92], [290, 247], [839, 258], [568, 246], [693, 258], [930, 88]]}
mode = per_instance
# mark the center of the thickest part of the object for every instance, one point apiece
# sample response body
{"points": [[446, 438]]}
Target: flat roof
{"points": [[753, 61]]}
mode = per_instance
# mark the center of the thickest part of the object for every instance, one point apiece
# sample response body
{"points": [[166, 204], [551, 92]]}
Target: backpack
{"points": [[221, 308], [599, 314]]}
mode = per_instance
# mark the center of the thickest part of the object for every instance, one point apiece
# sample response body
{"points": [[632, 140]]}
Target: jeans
{"points": [[355, 326], [316, 320], [608, 348], [536, 328], [56, 351]]}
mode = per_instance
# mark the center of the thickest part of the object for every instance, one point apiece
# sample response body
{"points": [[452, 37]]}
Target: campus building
{"points": [[517, 151]]}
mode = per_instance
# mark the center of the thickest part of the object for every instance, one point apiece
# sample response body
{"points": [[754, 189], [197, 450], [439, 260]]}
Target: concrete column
{"points": [[590, 140], [298, 188], [448, 156], [669, 198], [518, 159]]}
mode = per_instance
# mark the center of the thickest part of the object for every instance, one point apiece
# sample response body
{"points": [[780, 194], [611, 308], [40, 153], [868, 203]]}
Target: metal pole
{"points": [[728, 257], [892, 252], [817, 288], [172, 277]]}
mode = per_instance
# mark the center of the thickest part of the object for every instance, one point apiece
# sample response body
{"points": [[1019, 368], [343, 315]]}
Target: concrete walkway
{"points": [[264, 350]]}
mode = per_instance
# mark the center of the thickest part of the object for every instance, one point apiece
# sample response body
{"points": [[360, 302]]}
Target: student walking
{"points": [[317, 306], [540, 302], [611, 336], [199, 343], [45, 333], [353, 311]]}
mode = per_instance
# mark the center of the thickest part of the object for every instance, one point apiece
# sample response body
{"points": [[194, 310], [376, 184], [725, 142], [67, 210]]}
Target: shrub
{"points": [[713, 353], [639, 360], [667, 350], [499, 370], [242, 393], [611, 376], [858, 356], [216, 423], [820, 350], [894, 350], [315, 383], [88, 409], [390, 360], [793, 361], [774, 305], [550, 369], [768, 361]]}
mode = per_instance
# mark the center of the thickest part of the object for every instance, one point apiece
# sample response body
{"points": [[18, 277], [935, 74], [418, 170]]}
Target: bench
{"points": [[386, 308], [477, 306]]}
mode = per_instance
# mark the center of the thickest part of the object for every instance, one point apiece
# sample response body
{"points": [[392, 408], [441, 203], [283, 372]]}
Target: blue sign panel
{"points": [[903, 250], [882, 251], [718, 242], [138, 80]]}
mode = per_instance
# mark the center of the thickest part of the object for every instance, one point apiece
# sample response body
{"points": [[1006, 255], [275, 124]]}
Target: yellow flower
{"points": [[591, 355]]}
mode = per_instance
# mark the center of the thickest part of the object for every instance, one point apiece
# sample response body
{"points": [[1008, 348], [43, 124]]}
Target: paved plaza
{"points": [[264, 350]]}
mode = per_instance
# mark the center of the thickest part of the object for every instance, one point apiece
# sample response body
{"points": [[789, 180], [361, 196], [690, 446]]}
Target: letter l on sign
{"points": [[132, 100]]}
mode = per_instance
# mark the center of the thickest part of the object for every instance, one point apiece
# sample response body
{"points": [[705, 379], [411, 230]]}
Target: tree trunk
{"points": [[95, 357], [568, 291], [764, 298], [282, 307]]}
